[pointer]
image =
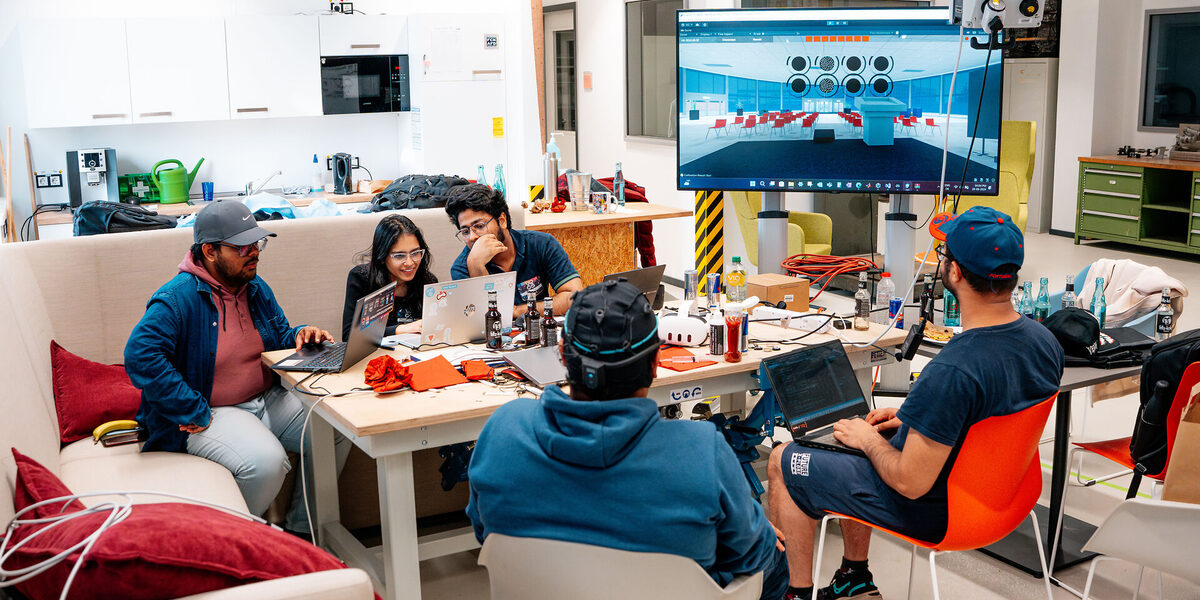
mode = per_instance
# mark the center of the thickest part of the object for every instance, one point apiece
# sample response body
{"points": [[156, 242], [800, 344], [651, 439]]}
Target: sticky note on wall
{"points": [[498, 127]]}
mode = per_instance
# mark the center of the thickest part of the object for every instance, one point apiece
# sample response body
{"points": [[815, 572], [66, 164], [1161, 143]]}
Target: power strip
{"points": [[792, 319]]}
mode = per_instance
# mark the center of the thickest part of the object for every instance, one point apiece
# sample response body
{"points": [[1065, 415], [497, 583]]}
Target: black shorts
{"points": [[821, 481]]}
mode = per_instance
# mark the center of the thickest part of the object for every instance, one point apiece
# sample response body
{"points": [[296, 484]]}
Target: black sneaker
{"points": [[852, 584]]}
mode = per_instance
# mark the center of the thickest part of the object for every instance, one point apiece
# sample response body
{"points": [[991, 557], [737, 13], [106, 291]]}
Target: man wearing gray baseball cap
{"points": [[195, 357]]}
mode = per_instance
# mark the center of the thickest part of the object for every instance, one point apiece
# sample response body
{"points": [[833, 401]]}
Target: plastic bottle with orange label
{"points": [[735, 282]]}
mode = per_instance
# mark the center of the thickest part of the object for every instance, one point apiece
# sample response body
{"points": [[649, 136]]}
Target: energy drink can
{"points": [[716, 336], [712, 286], [896, 305], [745, 338], [691, 288]]}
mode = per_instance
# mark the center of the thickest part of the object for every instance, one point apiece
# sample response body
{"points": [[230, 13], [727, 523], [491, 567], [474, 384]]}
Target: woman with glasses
{"points": [[398, 253]]}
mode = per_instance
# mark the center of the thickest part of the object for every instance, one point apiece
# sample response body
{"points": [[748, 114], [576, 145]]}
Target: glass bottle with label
{"points": [[862, 304], [619, 186], [1099, 304], [1164, 317], [1068, 298], [735, 282], [549, 325], [493, 324], [951, 315], [1041, 306], [533, 322], [1027, 300]]}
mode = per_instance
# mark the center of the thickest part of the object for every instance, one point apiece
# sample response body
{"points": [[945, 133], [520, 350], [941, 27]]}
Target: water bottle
{"points": [[481, 178], [1041, 306], [1027, 300], [619, 186], [883, 295], [1164, 317], [1068, 297], [498, 185], [862, 304], [735, 282], [951, 314], [1099, 305]]}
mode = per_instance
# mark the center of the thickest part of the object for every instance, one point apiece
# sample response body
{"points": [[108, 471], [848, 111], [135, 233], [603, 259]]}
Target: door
{"points": [[177, 69], [561, 88], [274, 66], [76, 72]]}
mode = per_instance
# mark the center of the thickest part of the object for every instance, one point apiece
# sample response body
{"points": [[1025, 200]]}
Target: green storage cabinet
{"points": [[1146, 202]]}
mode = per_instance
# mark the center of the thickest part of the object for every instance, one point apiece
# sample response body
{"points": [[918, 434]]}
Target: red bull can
{"points": [[896, 306], [712, 288]]}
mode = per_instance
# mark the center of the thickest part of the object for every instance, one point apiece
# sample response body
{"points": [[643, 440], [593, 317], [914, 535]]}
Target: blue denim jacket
{"points": [[172, 351]]}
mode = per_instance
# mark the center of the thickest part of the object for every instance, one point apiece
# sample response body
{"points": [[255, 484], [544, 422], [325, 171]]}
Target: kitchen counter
{"points": [[194, 205]]}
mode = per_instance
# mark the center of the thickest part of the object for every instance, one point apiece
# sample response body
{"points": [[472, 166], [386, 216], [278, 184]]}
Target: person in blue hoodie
{"points": [[599, 466]]}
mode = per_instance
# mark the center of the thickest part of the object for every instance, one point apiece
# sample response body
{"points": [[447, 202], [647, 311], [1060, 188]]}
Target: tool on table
{"points": [[173, 184]]}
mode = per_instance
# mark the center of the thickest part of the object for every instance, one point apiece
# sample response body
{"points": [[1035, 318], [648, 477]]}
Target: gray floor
{"points": [[971, 574]]}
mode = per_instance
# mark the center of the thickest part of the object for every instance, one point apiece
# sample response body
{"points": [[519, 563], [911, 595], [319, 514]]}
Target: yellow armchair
{"points": [[808, 233], [1017, 142]]}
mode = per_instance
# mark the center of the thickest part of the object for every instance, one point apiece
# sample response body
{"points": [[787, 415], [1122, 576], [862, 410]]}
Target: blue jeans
{"points": [[252, 439]]}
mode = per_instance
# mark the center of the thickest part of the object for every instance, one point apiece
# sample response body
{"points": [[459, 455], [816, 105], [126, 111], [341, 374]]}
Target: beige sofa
{"points": [[88, 293]]}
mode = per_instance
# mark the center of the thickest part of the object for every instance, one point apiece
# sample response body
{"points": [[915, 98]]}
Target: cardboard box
{"points": [[773, 287], [1182, 483]]}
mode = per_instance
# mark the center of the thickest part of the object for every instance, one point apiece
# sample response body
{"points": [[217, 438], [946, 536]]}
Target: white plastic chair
{"points": [[522, 568], [1152, 533]]}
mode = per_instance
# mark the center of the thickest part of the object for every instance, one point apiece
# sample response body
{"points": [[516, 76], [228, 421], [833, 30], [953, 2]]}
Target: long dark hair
{"points": [[386, 233]]}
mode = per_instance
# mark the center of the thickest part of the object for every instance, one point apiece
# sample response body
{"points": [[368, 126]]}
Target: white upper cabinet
{"points": [[350, 35], [177, 69], [75, 72], [274, 66], [462, 48]]}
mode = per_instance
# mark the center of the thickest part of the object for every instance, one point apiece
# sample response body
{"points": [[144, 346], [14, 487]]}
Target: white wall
{"points": [[1101, 56], [238, 151]]}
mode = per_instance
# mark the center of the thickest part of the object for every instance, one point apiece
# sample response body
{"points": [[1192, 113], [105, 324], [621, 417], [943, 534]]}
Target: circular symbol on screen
{"points": [[799, 64], [799, 85], [881, 85], [827, 63], [854, 85], [827, 85], [882, 64], [854, 64]]}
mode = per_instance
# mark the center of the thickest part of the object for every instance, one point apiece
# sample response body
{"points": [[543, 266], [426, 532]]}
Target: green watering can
{"points": [[173, 184]]}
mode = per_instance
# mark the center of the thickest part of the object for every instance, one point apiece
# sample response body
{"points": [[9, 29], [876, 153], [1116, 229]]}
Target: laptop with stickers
{"points": [[452, 312]]}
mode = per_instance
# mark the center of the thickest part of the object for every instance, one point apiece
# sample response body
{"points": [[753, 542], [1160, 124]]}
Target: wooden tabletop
{"points": [[193, 206], [1156, 163], [631, 212], [368, 413]]}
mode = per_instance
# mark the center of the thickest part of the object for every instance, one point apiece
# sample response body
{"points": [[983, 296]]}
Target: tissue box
{"points": [[773, 287]]}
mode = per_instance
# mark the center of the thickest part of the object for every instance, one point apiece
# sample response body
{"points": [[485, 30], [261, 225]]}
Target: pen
{"points": [[688, 359]]}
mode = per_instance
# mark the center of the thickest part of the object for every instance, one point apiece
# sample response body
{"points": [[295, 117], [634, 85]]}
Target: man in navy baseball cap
{"points": [[1001, 363]]}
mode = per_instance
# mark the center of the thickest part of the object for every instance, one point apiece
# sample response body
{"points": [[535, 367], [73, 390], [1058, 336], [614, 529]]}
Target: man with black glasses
{"points": [[484, 225], [195, 357]]}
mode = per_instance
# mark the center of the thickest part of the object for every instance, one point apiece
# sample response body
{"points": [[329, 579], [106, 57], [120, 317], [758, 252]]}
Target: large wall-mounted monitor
{"points": [[834, 100]]}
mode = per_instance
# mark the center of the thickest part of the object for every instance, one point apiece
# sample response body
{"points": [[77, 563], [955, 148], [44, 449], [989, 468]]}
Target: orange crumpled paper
{"points": [[384, 374]]}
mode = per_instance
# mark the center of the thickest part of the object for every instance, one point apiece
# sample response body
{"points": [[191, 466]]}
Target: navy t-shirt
{"points": [[981, 373], [541, 262]]}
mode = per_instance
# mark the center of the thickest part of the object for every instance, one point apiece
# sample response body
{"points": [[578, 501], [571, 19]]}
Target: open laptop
{"points": [[646, 279], [816, 387], [366, 331], [453, 312], [542, 365]]}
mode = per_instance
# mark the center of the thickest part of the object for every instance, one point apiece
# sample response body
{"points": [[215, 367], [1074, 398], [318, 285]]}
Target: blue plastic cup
{"points": [[207, 188]]}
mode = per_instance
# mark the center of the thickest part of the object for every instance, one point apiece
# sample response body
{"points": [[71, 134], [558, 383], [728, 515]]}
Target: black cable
{"points": [[975, 130], [368, 171]]}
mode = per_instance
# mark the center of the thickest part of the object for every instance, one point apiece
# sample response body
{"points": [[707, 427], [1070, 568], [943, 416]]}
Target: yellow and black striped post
{"points": [[536, 192], [710, 234]]}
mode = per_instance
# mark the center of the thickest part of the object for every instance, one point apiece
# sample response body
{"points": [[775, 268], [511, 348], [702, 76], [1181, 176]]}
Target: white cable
{"points": [[118, 511], [303, 429]]}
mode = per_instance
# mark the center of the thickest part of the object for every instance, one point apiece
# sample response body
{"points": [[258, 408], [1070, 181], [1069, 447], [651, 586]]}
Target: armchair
{"points": [[808, 233]]}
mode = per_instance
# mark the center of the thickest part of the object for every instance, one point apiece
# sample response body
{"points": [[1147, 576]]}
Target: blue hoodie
{"points": [[612, 473]]}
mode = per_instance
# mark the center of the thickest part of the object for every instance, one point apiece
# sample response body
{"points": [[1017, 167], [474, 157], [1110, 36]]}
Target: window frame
{"points": [[642, 137], [1141, 126]]}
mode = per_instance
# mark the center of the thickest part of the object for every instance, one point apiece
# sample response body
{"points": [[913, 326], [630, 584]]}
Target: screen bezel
{"points": [[820, 14]]}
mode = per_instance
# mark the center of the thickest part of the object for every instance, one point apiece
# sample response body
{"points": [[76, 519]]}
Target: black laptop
{"points": [[646, 279], [366, 332], [816, 387]]}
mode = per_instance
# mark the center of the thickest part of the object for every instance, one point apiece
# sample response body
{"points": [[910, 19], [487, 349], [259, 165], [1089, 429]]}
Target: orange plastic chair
{"points": [[748, 125], [719, 126], [994, 484]]}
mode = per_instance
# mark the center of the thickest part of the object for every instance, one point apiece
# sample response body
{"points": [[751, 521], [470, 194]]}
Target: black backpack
{"points": [[1161, 374], [114, 217], [416, 191]]}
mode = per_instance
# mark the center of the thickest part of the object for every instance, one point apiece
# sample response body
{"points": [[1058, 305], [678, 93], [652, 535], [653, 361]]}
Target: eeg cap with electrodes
{"points": [[608, 331]]}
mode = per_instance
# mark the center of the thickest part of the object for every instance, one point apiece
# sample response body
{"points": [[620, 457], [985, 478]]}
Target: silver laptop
{"points": [[452, 312], [542, 365], [646, 279], [366, 332]]}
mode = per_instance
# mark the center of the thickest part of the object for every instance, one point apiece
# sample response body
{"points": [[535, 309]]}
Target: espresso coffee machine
{"points": [[92, 176]]}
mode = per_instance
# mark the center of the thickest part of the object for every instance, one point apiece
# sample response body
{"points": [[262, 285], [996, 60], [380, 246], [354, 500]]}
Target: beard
{"points": [[500, 233], [238, 271]]}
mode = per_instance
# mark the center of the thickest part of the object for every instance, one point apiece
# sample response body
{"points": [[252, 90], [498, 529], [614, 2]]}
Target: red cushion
{"points": [[160, 550], [88, 394], [36, 483]]}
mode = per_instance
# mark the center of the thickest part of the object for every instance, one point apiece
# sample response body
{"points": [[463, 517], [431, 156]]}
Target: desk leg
{"points": [[324, 486], [398, 513], [1058, 474]]}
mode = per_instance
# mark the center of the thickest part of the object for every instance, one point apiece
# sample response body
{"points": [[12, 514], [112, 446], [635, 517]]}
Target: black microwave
{"points": [[364, 84]]}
